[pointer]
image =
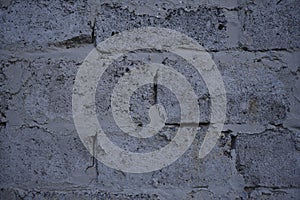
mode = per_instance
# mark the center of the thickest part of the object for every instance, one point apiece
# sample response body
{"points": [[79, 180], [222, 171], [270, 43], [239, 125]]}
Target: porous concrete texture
{"points": [[255, 45]]}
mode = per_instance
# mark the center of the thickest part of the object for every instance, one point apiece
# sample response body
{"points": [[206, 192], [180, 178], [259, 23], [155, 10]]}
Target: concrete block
{"points": [[270, 25], [36, 25], [268, 159]]}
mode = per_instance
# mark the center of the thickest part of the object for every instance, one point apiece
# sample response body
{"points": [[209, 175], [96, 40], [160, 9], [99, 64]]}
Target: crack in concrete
{"points": [[155, 87], [188, 124]]}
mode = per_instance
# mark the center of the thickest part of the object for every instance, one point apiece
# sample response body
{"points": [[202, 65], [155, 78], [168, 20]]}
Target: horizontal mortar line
{"points": [[53, 51], [170, 10], [241, 49], [201, 186], [272, 187], [188, 124], [80, 189]]}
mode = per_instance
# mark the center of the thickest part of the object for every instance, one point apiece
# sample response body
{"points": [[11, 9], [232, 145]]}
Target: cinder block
{"points": [[36, 25], [270, 25], [268, 159], [205, 25]]}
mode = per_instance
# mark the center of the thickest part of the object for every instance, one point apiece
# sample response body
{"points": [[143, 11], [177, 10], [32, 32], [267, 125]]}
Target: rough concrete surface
{"points": [[255, 45]]}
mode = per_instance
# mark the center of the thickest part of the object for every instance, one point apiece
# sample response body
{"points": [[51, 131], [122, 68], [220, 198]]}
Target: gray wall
{"points": [[255, 45]]}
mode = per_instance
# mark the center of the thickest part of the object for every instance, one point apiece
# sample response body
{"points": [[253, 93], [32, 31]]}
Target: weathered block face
{"points": [[255, 47]]}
